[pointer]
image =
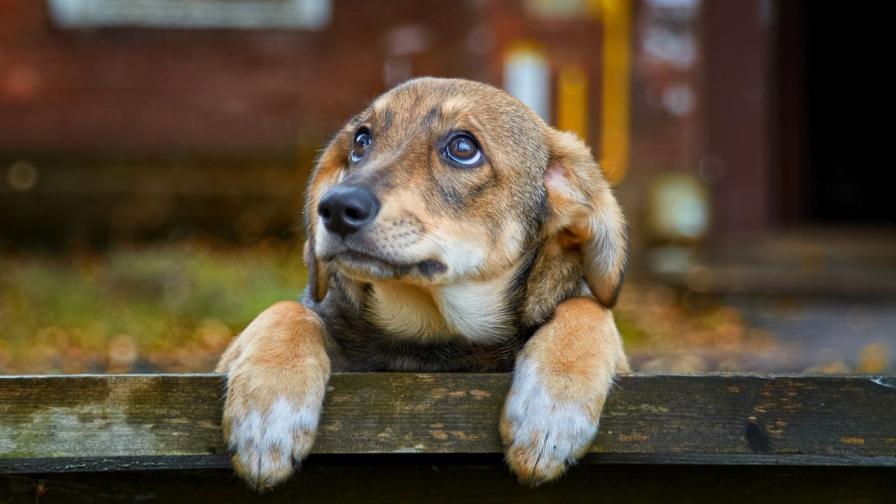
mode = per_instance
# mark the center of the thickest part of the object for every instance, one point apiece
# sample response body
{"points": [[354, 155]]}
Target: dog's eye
{"points": [[463, 150], [360, 144]]}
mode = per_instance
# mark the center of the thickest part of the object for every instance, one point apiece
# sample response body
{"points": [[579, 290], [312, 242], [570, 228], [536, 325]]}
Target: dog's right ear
{"points": [[326, 173], [585, 216]]}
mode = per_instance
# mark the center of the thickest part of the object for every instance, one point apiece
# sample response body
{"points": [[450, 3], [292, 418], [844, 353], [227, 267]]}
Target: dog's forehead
{"points": [[428, 102], [420, 95]]}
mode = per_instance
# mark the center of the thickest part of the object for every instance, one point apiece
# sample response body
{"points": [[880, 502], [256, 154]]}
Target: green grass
{"points": [[161, 303]]}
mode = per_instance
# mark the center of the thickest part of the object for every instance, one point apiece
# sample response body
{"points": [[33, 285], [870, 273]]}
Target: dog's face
{"points": [[435, 182], [445, 181]]}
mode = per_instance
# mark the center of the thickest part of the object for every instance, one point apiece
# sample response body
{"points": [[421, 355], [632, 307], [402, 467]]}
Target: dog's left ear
{"points": [[585, 216], [318, 276], [326, 172]]}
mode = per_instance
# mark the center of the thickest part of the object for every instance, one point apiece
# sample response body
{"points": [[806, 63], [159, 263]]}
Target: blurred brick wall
{"points": [[158, 92], [137, 133]]}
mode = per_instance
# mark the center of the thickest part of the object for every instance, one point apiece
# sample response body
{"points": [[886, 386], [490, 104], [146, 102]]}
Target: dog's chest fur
{"points": [[466, 326], [475, 311], [391, 326]]}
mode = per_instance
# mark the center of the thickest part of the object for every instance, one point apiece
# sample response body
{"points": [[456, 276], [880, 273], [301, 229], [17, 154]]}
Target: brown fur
{"points": [[280, 354], [578, 352], [462, 269]]}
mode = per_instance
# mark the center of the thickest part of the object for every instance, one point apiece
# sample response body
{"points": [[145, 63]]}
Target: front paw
{"points": [[543, 434], [269, 427]]}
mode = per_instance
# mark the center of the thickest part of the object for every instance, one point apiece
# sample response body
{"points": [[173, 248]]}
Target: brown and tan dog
{"points": [[448, 229]]}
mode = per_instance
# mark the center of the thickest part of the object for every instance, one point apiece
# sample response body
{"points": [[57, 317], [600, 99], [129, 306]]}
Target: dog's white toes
{"points": [[543, 436], [542, 445], [267, 445]]}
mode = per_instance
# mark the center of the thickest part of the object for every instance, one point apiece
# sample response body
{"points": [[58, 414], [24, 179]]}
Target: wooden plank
{"points": [[139, 422]]}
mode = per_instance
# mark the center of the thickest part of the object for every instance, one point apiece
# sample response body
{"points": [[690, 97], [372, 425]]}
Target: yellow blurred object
{"points": [[873, 358], [676, 363], [572, 101], [615, 93], [830, 367], [22, 175]]}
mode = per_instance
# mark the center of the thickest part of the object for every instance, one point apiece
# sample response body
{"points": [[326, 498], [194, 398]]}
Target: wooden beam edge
{"points": [[204, 462], [90, 423]]}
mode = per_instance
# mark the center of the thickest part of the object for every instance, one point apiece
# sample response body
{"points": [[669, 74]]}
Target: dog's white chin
{"points": [[366, 269], [363, 267]]}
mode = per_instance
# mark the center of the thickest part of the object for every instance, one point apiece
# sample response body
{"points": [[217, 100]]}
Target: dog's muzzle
{"points": [[347, 209]]}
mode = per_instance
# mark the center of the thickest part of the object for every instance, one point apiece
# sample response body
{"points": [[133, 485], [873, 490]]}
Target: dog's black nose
{"points": [[346, 209]]}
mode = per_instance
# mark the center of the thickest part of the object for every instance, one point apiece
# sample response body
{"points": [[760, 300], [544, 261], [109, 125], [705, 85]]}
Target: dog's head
{"points": [[445, 181]]}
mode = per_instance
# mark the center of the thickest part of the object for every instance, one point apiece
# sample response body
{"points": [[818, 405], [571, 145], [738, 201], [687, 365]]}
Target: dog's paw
{"points": [[269, 434], [543, 435]]}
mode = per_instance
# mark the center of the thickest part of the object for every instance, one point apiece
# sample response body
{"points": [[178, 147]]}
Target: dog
{"points": [[448, 228]]}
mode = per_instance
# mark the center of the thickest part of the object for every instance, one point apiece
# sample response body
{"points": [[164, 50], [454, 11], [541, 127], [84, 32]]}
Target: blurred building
{"points": [[722, 123]]}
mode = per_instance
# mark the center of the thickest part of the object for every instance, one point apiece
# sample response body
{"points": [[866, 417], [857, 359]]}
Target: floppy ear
{"points": [[318, 275], [585, 216], [326, 173]]}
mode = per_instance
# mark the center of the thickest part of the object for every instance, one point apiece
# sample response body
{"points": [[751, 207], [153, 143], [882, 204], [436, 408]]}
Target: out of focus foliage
{"points": [[172, 307], [175, 307]]}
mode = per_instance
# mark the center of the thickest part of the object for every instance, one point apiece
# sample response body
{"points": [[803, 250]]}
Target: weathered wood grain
{"points": [[146, 422]]}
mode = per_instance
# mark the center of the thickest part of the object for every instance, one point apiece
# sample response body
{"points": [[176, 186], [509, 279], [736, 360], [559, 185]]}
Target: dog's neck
{"points": [[476, 311]]}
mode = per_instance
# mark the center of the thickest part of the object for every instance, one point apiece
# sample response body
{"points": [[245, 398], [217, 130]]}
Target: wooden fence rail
{"points": [[404, 436]]}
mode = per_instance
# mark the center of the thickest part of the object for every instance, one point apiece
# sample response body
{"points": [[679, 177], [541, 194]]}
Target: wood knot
{"points": [[757, 437]]}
